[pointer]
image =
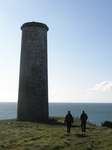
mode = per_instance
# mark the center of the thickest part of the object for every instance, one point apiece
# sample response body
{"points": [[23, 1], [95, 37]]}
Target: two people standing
{"points": [[69, 120]]}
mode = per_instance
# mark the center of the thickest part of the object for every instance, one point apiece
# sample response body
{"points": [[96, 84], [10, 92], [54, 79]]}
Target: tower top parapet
{"points": [[29, 24]]}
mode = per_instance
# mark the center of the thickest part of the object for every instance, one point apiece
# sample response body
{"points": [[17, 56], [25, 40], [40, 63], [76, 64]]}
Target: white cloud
{"points": [[60, 91], [104, 86], [101, 92]]}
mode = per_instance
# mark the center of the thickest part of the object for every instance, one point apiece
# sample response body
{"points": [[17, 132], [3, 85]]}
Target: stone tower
{"points": [[33, 78]]}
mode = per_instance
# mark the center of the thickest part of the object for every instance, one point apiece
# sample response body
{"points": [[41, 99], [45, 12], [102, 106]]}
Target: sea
{"points": [[97, 112]]}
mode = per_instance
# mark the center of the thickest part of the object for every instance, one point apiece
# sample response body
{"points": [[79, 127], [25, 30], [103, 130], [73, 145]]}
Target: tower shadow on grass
{"points": [[75, 126], [54, 121], [81, 135]]}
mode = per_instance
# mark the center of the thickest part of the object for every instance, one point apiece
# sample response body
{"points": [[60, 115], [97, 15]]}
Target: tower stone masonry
{"points": [[33, 78]]}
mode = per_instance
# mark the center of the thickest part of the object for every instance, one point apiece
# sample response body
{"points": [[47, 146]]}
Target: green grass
{"points": [[18, 135]]}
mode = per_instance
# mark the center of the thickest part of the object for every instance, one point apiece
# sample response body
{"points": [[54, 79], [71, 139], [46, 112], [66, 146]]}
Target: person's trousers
{"points": [[68, 128], [83, 127]]}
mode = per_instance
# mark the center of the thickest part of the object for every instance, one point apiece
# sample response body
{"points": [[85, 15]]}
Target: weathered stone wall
{"points": [[33, 82]]}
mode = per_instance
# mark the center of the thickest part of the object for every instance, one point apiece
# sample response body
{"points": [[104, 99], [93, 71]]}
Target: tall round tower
{"points": [[33, 80]]}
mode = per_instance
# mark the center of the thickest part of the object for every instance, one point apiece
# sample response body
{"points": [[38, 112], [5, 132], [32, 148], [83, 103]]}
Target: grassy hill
{"points": [[17, 135]]}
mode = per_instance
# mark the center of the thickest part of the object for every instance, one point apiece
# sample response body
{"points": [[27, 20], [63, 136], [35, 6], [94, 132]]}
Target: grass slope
{"points": [[17, 135]]}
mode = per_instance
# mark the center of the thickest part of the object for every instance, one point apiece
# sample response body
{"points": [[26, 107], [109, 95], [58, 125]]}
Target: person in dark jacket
{"points": [[83, 118], [68, 121]]}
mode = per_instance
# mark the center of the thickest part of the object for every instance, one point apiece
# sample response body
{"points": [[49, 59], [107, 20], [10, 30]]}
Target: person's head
{"points": [[68, 111], [82, 111]]}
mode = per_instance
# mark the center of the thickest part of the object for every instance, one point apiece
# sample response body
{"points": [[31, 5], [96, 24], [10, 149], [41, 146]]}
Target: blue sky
{"points": [[79, 47]]}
